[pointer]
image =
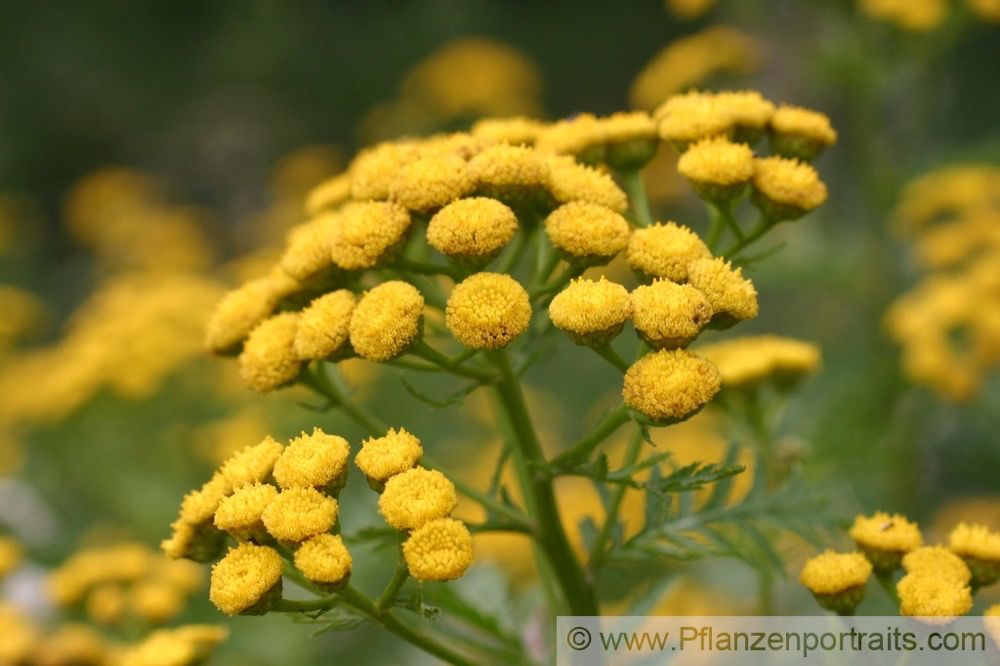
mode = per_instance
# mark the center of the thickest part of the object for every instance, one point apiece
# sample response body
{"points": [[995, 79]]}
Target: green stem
{"points": [[763, 226], [390, 622], [304, 605], [388, 597], [484, 500], [425, 268], [721, 216], [597, 550], [514, 252], [330, 386], [608, 353], [632, 184], [579, 451], [561, 281], [428, 353], [408, 364], [885, 580], [576, 589]]}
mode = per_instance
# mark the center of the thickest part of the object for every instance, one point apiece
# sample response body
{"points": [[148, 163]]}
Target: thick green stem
{"points": [[388, 597], [582, 449], [721, 216], [632, 184], [597, 550], [576, 589], [608, 353]]}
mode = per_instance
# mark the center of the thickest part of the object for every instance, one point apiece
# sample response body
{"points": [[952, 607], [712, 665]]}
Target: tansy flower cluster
{"points": [[948, 325], [418, 502], [115, 584], [280, 502], [938, 582], [925, 15]]}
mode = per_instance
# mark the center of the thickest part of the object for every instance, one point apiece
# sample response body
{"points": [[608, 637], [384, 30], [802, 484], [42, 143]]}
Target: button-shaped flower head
{"points": [[296, 514], [884, 539], [837, 580], [933, 599], [670, 385], [718, 168], [571, 181], [252, 464], [324, 327], [386, 321], [801, 133], [268, 360], [317, 460], [473, 229], [587, 234], [246, 580], [487, 311], [591, 312], [393, 453], [669, 315], [664, 251], [431, 182], [241, 513], [415, 497], [439, 550], [937, 561], [324, 560], [786, 189], [243, 308], [367, 234], [733, 297], [979, 548]]}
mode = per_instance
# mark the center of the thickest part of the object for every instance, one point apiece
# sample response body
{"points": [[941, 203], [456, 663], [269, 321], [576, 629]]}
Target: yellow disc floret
{"points": [[979, 548], [374, 168], [587, 233], [884, 539], [932, 598], [505, 170], [439, 550], [242, 309], [324, 559], [591, 312], [830, 572], [431, 182], [748, 361], [474, 227], [296, 514], [253, 464], [308, 250], [732, 296], [415, 497], [937, 561], [386, 320], [571, 181], [394, 453], [312, 461], [367, 234], [670, 385], [324, 326], [268, 360], [717, 167], [786, 189], [487, 310], [669, 315], [198, 506], [665, 250], [245, 578], [799, 132], [240, 513]]}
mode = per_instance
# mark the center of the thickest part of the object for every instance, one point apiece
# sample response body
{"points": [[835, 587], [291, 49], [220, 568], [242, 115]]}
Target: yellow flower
{"points": [[324, 326], [581, 136], [801, 133], [517, 130], [324, 559], [439, 550], [473, 228], [386, 321], [914, 15], [374, 168], [979, 548], [296, 514], [268, 360], [69, 643], [313, 461], [20, 634], [932, 598], [630, 139], [329, 195], [431, 182], [786, 189], [246, 579], [749, 111], [308, 249], [687, 118], [670, 385], [241, 513], [884, 539], [669, 315], [367, 234], [105, 604], [590, 312], [155, 601], [747, 361], [393, 453], [732, 296], [664, 251], [571, 181], [182, 646], [836, 580], [487, 310], [253, 464], [198, 506], [182, 538], [416, 496], [937, 561], [509, 172], [988, 10], [717, 168], [587, 233], [242, 309]]}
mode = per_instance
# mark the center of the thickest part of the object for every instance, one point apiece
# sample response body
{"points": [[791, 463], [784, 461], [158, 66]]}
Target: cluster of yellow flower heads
{"points": [[949, 323], [349, 283], [938, 582], [925, 15], [130, 580], [273, 499], [750, 361]]}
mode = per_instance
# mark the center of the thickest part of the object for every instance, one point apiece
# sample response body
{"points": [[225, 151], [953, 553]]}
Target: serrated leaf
{"points": [[452, 399]]}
